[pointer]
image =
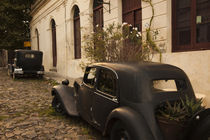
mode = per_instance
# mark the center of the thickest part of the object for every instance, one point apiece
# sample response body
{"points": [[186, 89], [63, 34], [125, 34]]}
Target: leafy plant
{"points": [[117, 43], [181, 110], [14, 23], [172, 111], [192, 106]]}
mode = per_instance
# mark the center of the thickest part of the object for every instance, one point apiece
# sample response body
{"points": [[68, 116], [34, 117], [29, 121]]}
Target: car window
{"points": [[90, 76], [30, 56], [107, 82], [167, 85]]}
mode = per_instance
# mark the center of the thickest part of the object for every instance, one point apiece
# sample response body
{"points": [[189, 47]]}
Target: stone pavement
{"points": [[58, 78], [26, 113]]}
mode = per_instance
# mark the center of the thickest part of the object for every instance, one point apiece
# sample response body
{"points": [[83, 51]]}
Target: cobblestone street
{"points": [[26, 113]]}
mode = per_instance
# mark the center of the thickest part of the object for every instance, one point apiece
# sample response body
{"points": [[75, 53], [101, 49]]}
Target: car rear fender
{"points": [[132, 120], [203, 114], [199, 124], [198, 118], [66, 96]]}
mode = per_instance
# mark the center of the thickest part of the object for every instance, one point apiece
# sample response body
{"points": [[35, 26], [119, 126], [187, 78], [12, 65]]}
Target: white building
{"points": [[57, 28]]}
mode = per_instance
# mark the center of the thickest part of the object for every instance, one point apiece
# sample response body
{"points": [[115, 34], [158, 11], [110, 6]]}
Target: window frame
{"points": [[37, 38], [193, 46], [133, 11], [181, 85], [116, 83], [86, 76], [54, 42], [98, 8], [77, 32]]}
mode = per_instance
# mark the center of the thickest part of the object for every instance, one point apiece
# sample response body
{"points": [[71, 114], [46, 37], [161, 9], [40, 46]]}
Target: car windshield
{"points": [[29, 56], [168, 85]]}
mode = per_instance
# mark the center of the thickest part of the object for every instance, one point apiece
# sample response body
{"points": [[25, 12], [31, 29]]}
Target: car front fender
{"points": [[66, 96], [132, 120]]}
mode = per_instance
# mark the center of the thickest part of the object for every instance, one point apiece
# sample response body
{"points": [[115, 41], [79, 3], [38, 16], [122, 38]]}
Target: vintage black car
{"points": [[26, 62], [120, 99]]}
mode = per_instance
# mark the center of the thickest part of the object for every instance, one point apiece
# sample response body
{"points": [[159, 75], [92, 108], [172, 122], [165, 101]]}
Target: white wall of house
{"points": [[62, 12], [194, 63]]}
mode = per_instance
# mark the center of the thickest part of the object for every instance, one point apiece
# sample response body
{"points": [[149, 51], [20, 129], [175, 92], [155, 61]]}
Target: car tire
{"points": [[57, 105], [119, 132], [202, 130], [40, 76]]}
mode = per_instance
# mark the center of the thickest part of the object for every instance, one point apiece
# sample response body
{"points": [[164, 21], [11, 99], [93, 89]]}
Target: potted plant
{"points": [[174, 117]]}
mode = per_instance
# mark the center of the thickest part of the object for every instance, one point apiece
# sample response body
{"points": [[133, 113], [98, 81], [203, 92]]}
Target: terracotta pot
{"points": [[172, 130]]}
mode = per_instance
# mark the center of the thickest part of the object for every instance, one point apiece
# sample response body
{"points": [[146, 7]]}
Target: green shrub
{"points": [[118, 43]]}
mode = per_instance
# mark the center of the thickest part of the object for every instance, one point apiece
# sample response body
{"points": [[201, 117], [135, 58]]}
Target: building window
{"points": [[37, 38], [132, 13], [54, 43], [77, 33], [98, 19], [191, 25]]}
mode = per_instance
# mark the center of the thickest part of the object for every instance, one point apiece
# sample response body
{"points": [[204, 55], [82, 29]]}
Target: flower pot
{"points": [[172, 130]]}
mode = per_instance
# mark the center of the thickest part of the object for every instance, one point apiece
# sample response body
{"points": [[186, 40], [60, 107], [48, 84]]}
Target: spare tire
{"points": [[202, 130]]}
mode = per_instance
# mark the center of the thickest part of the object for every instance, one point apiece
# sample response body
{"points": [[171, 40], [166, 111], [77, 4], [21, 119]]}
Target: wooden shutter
{"points": [[132, 13], [190, 25], [98, 13], [37, 38], [54, 43], [77, 38]]}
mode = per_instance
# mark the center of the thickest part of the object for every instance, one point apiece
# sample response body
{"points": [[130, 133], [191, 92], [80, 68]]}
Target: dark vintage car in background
{"points": [[26, 62], [120, 100]]}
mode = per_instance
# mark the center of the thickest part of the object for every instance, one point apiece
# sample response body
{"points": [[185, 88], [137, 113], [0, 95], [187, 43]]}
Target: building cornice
{"points": [[50, 8], [37, 5]]}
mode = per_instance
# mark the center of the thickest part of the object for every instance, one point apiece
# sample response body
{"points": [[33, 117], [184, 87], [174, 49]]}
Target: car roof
{"points": [[27, 51], [153, 70]]}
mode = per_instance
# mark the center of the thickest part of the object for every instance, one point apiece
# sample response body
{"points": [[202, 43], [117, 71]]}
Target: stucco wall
{"points": [[41, 21], [194, 63], [62, 12]]}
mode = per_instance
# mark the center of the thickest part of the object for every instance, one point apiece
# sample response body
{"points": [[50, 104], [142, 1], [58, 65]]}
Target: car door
{"points": [[85, 95], [105, 97]]}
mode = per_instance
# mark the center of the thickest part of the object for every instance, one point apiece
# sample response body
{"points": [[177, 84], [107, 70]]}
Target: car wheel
{"points": [[202, 131], [120, 132], [57, 105], [40, 76]]}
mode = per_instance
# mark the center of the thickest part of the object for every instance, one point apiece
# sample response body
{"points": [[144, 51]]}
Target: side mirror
{"points": [[65, 82]]}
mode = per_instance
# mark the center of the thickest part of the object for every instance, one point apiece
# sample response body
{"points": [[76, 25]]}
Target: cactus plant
{"points": [[181, 110]]}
